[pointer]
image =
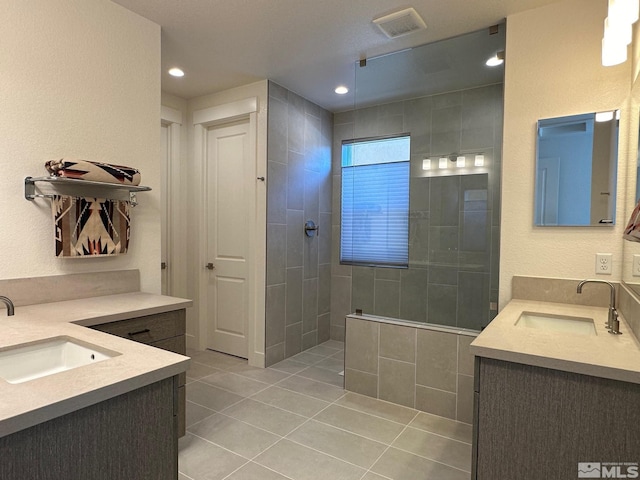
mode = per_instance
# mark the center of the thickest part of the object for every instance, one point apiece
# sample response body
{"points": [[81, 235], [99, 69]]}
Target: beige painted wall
{"points": [[195, 263], [79, 78], [553, 69]]}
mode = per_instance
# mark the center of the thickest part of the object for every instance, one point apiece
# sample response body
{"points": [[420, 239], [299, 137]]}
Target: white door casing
{"points": [[255, 222], [172, 223]]}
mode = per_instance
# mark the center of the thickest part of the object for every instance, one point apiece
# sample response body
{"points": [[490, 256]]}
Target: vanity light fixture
{"points": [[479, 160], [618, 31], [176, 72], [426, 164], [497, 59], [604, 116], [341, 90], [442, 163], [460, 161]]}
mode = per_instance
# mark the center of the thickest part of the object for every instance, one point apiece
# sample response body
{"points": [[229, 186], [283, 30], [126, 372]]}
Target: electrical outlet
{"points": [[636, 266], [603, 263]]}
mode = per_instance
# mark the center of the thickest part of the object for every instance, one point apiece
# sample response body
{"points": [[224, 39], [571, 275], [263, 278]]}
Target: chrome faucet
{"points": [[613, 324], [7, 301]]}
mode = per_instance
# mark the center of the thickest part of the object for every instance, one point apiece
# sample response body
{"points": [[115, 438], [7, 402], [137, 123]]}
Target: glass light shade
{"points": [[494, 61], [460, 161], [624, 11], [613, 52], [426, 164], [604, 116], [479, 161], [442, 162], [618, 31]]}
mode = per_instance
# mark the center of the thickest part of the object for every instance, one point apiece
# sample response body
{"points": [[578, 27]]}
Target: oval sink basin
{"points": [[23, 363], [557, 323]]}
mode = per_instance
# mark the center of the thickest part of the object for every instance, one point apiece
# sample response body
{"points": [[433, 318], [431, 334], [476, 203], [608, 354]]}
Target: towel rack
{"points": [[30, 187]]}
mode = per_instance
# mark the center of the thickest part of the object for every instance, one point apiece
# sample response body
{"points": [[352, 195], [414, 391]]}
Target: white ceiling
{"points": [[307, 46]]}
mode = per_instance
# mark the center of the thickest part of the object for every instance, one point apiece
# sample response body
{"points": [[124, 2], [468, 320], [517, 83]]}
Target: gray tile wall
{"points": [[298, 299], [420, 368], [453, 233]]}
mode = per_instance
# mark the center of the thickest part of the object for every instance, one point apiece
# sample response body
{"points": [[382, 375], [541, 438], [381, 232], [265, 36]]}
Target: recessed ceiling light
{"points": [[176, 72], [341, 90], [497, 59]]}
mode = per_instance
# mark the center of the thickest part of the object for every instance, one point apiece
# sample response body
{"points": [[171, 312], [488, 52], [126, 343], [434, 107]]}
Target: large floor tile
{"points": [[443, 426], [373, 476], [434, 447], [323, 350], [182, 477], [308, 358], [338, 443], [265, 375], [264, 416], [400, 465], [234, 435], [199, 370], [364, 424], [210, 396], [194, 459], [320, 390], [379, 408], [333, 344], [332, 363], [253, 471], [235, 383], [196, 413], [323, 375], [291, 401], [289, 366], [302, 463]]}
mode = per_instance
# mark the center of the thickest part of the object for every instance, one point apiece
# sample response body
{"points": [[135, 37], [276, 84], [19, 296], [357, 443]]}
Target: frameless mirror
{"points": [[576, 170]]}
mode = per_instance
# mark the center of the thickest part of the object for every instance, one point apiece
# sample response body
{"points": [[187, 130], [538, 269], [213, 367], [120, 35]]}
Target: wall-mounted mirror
{"points": [[630, 274], [576, 170]]}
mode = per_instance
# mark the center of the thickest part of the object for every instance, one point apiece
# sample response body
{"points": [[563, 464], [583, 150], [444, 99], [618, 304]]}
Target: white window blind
{"points": [[375, 202]]}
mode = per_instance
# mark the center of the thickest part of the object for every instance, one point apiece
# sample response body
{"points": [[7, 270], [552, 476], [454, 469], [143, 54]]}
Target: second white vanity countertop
{"points": [[601, 355], [30, 403]]}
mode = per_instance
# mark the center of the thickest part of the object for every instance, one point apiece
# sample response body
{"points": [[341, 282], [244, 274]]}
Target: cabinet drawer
{"points": [[148, 329]]}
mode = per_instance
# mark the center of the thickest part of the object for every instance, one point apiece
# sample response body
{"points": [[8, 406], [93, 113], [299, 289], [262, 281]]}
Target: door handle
{"points": [[163, 265], [209, 266]]}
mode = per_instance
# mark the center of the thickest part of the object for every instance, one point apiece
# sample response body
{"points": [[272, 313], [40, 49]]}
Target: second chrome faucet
{"points": [[613, 323]]}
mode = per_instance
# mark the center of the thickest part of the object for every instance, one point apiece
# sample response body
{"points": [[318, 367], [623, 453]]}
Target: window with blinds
{"points": [[375, 202]]}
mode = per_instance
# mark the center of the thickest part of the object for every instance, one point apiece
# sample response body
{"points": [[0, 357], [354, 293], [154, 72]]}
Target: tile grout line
{"points": [[389, 446]]}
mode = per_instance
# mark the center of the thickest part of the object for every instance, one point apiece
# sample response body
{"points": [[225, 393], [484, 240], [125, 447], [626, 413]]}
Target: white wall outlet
{"points": [[604, 263], [636, 266]]}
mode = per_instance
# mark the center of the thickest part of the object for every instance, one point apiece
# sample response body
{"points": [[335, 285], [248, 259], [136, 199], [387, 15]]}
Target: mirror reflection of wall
{"points": [[576, 170]]}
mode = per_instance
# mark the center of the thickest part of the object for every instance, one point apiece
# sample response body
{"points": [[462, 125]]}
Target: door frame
{"points": [[176, 224], [202, 121]]}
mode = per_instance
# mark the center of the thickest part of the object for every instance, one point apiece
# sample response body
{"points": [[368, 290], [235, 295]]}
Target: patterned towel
{"points": [[90, 226], [94, 171]]}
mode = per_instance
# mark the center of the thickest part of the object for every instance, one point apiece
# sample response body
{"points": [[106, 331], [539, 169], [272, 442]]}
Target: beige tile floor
{"points": [[294, 421]]}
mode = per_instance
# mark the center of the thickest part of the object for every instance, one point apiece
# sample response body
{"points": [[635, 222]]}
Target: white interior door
{"points": [[230, 197]]}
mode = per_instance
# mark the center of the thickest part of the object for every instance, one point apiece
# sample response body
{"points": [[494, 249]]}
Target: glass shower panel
{"points": [[449, 103]]}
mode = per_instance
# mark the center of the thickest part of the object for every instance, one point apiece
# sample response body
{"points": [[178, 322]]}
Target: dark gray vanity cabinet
{"points": [[162, 330], [538, 423], [131, 436]]}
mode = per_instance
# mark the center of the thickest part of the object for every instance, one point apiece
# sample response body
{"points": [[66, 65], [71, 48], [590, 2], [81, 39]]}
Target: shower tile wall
{"points": [[454, 220], [298, 296]]}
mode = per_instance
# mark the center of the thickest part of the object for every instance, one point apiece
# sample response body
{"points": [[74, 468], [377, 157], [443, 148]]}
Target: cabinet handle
{"points": [[131, 334]]}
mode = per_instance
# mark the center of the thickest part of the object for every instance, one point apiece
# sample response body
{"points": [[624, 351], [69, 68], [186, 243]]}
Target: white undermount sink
{"points": [[557, 323], [23, 363]]}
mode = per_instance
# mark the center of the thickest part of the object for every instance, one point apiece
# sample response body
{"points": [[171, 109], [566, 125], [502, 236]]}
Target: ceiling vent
{"points": [[400, 23]]}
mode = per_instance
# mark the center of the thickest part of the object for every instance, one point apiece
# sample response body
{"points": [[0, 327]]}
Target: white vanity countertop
{"points": [[26, 404], [602, 355]]}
